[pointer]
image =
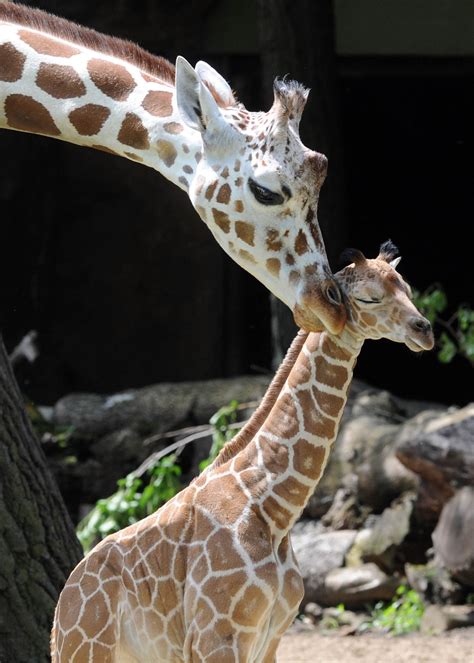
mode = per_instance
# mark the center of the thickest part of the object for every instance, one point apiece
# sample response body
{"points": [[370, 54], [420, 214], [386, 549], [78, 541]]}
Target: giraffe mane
{"points": [[123, 49], [248, 432]]}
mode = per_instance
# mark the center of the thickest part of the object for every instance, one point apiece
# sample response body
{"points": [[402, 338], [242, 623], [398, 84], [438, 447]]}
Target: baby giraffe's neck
{"points": [[285, 460]]}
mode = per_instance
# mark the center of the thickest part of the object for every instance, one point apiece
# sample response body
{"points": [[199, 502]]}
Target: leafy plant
{"points": [[46, 430], [137, 498], [133, 500], [457, 335], [222, 423], [402, 615]]}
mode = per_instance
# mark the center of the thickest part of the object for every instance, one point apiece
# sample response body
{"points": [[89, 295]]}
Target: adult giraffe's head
{"points": [[380, 301], [257, 187]]}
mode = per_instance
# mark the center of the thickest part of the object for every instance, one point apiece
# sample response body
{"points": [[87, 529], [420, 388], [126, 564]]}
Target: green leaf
{"points": [[447, 349]]}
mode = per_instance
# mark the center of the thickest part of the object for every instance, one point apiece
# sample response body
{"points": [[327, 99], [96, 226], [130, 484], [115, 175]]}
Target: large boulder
{"points": [[440, 450], [317, 553], [356, 586]]}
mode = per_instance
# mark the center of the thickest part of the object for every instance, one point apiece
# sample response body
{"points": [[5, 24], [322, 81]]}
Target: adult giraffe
{"points": [[211, 576], [248, 175]]}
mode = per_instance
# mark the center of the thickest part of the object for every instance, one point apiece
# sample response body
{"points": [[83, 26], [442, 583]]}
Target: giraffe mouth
{"points": [[420, 344]]}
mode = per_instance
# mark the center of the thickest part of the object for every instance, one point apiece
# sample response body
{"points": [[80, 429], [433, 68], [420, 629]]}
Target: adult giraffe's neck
{"points": [[286, 459], [55, 86]]}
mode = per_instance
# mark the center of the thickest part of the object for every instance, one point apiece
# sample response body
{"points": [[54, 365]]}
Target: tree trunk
{"points": [[38, 546], [297, 38]]}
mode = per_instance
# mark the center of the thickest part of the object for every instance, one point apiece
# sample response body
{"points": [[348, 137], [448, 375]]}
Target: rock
{"points": [[157, 408], [364, 455], [318, 553], [380, 541], [438, 619], [434, 584], [313, 611], [441, 453], [345, 621], [345, 511], [354, 586], [453, 538]]}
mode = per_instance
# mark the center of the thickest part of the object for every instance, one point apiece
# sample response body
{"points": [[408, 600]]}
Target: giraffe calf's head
{"points": [[380, 301], [256, 186]]}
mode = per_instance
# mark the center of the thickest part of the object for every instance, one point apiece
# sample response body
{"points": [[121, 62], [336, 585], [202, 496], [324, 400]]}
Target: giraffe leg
{"points": [[85, 624]]}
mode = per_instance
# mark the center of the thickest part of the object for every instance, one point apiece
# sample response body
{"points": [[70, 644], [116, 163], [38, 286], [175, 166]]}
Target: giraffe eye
{"points": [[265, 196], [368, 301]]}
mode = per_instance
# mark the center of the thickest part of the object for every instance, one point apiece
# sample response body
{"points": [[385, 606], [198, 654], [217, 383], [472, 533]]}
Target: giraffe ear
{"points": [[216, 84], [196, 104], [394, 263]]}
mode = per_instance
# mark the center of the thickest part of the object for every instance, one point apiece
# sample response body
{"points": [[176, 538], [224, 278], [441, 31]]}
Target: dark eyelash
{"points": [[265, 196], [368, 301]]}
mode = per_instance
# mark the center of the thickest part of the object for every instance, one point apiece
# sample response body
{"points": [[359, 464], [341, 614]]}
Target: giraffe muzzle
{"points": [[420, 334], [321, 306]]}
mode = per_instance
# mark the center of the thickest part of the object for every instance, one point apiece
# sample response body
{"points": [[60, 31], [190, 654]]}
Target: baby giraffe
{"points": [[211, 576]]}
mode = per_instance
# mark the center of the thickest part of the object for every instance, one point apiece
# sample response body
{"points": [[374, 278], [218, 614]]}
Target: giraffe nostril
{"points": [[421, 325]]}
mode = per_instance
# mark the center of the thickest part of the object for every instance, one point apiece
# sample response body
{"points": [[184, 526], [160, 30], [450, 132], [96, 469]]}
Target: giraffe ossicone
{"points": [[211, 576], [248, 175]]}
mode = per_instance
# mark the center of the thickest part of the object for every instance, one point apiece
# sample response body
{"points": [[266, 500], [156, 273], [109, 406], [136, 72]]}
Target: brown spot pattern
{"points": [[245, 231], [314, 422], [292, 491], [133, 133], [251, 606], [223, 195], [332, 350], [245, 255], [24, 113], [275, 454], [273, 266], [329, 373], [11, 63], [221, 589], [273, 240], [295, 277], [255, 538], [60, 81], [47, 45], [166, 151], [284, 425], [133, 156], [330, 404], [112, 79], [159, 104], [210, 190], [173, 127], [239, 206], [221, 219], [224, 555], [280, 516], [301, 243], [308, 459], [368, 318], [89, 119]]}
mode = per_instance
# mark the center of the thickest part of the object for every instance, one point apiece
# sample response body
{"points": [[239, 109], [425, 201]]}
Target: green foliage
{"points": [[133, 500], [457, 335], [402, 615], [46, 431], [222, 431], [137, 498]]}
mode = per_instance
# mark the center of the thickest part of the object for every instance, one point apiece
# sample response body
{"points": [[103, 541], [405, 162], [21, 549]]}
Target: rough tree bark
{"points": [[38, 546], [297, 38]]}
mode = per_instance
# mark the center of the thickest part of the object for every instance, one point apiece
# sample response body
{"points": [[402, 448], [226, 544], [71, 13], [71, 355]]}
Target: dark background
{"points": [[123, 282]]}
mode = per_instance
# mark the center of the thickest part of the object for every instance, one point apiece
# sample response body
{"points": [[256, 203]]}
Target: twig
{"points": [[204, 431]]}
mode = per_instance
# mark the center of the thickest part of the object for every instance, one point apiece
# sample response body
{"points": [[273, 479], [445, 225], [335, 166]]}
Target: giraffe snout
{"points": [[421, 332]]}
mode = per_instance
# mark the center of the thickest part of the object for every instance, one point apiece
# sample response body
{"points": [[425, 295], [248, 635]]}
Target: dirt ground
{"points": [[454, 647]]}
